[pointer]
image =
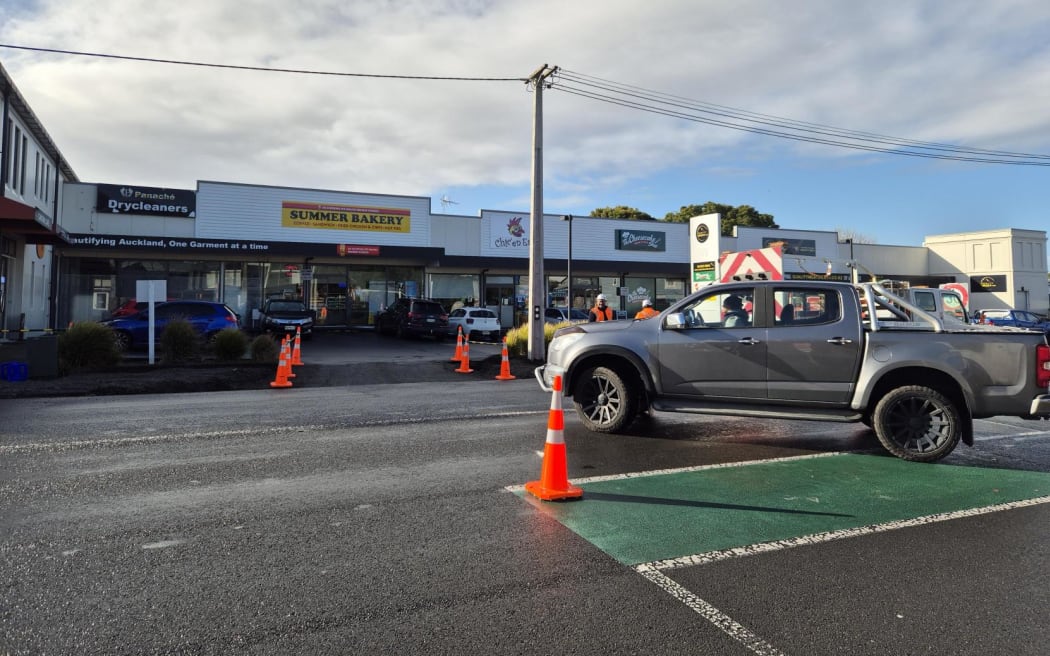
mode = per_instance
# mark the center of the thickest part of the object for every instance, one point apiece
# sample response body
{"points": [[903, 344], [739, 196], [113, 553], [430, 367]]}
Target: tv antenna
{"points": [[446, 201]]}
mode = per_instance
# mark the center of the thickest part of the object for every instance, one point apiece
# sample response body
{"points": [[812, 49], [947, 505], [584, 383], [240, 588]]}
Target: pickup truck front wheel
{"points": [[917, 423], [604, 400]]}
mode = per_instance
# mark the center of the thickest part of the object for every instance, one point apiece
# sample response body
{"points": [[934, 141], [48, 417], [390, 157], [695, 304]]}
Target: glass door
{"points": [[499, 297]]}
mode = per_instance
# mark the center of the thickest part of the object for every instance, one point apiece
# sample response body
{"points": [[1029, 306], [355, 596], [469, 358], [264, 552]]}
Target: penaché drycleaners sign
{"points": [[150, 201]]}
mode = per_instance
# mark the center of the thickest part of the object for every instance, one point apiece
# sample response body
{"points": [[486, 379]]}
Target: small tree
{"points": [[229, 344], [180, 342], [87, 345]]}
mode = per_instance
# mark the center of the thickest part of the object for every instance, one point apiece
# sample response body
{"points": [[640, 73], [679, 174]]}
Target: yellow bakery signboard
{"points": [[297, 214]]}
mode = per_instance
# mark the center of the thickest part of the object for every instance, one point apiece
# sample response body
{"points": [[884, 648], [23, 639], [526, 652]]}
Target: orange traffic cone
{"points": [[296, 358], [554, 477], [286, 345], [464, 364], [504, 365], [281, 379], [458, 356]]}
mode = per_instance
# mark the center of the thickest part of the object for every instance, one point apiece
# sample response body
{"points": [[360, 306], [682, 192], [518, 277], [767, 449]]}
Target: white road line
{"points": [[171, 437], [728, 625], [683, 470], [818, 538], [654, 570]]}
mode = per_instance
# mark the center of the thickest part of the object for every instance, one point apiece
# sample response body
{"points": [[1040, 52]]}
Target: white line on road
{"points": [[33, 447], [683, 470], [654, 570], [727, 624]]}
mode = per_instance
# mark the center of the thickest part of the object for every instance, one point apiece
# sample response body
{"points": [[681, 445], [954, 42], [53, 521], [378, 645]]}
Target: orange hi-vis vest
{"points": [[602, 315], [646, 313]]}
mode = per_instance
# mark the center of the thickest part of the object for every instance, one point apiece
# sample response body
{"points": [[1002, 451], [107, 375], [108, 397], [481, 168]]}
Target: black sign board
{"points": [[987, 284], [641, 240], [151, 201], [807, 247]]}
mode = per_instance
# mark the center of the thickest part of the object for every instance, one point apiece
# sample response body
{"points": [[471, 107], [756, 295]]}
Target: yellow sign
{"points": [[297, 214]]}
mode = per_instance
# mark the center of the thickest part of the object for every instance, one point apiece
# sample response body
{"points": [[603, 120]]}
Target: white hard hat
{"points": [[601, 297], [647, 303]]}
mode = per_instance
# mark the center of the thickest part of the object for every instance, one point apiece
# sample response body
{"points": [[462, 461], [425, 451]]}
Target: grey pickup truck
{"points": [[809, 350]]}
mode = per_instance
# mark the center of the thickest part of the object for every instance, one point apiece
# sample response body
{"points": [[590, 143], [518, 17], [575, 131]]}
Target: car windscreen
{"points": [[287, 306], [420, 307]]}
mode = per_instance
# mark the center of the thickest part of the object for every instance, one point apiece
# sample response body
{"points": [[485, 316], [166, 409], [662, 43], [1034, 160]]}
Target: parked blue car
{"points": [[1014, 318], [132, 331]]}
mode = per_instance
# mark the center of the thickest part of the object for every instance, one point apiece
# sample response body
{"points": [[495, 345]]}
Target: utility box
{"points": [[42, 356]]}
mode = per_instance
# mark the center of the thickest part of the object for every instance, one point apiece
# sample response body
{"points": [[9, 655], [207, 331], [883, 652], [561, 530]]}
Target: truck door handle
{"points": [[749, 341], [841, 341]]}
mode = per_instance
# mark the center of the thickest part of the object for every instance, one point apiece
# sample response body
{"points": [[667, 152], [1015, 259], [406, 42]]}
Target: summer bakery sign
{"points": [[297, 214]]}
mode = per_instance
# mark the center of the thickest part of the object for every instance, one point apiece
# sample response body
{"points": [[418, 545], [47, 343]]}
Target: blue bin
{"points": [[14, 371]]}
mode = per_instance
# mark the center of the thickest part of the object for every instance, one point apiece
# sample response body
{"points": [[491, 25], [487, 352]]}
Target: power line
{"points": [[657, 102], [261, 68], [737, 119]]}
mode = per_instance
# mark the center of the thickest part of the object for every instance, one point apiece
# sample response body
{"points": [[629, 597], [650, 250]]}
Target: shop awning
{"points": [[29, 223]]}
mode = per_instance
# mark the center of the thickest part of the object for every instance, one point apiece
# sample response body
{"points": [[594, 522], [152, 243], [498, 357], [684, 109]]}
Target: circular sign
{"points": [[702, 232], [961, 290], [290, 270]]}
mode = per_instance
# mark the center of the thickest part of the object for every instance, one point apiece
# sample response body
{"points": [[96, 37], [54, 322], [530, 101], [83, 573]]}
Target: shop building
{"points": [[1001, 268], [32, 173], [347, 255]]}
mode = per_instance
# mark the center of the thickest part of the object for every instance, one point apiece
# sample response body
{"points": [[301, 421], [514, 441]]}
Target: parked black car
{"points": [[412, 317], [283, 317]]}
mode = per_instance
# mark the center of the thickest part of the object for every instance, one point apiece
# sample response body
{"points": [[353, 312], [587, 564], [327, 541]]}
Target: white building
{"points": [[32, 174]]}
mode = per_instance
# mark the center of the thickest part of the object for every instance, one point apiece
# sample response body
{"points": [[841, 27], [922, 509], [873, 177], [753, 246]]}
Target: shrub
{"points": [[87, 345], [518, 338], [264, 349], [179, 342], [229, 344]]}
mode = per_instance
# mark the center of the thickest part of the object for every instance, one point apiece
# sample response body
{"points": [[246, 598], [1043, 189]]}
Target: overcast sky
{"points": [[973, 73]]}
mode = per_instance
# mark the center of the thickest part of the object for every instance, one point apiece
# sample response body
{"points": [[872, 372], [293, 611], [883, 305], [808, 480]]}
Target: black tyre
{"points": [[917, 423], [122, 340], [604, 400]]}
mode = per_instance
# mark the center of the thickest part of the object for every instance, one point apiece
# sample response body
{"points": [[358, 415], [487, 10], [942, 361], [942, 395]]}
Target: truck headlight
{"points": [[564, 339]]}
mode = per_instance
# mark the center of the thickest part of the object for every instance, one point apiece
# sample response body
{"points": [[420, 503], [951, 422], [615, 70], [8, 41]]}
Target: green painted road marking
{"points": [[649, 518]]}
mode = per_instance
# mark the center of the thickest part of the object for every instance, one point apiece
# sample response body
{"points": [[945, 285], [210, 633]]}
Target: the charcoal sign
{"points": [[640, 240], [807, 247], [151, 201], [987, 284]]}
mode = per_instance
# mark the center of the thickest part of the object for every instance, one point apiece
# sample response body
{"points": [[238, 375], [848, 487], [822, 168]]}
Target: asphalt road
{"points": [[389, 519]]}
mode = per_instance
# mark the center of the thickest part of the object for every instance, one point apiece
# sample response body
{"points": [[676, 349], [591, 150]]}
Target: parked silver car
{"points": [[560, 315]]}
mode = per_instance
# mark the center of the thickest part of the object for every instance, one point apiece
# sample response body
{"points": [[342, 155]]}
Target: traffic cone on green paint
{"points": [[554, 477]]}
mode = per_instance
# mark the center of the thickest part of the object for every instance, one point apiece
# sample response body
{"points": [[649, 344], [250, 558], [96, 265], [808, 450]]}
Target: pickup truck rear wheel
{"points": [[917, 423], [604, 400]]}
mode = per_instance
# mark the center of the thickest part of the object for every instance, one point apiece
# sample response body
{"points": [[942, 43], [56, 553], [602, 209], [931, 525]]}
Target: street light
{"points": [[568, 266]]}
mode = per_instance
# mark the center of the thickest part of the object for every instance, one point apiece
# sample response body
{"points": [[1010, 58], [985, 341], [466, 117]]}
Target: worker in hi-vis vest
{"points": [[647, 311], [600, 311]]}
